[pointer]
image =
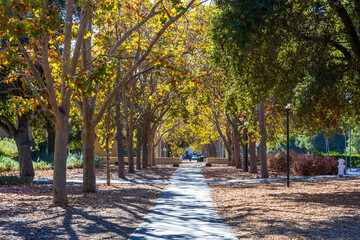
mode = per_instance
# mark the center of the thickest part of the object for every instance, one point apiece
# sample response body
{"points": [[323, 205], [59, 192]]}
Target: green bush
{"points": [[74, 160], [8, 164], [97, 161], [45, 161], [8, 147], [355, 159], [43, 157], [42, 165], [13, 180]]}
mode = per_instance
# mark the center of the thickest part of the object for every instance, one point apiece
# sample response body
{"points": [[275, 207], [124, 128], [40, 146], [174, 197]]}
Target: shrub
{"points": [[8, 164], [74, 160], [42, 165], [8, 147], [43, 157], [355, 159], [315, 165], [278, 162], [13, 180], [97, 162]]}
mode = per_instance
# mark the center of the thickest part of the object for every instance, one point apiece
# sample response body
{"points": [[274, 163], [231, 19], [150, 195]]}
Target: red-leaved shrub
{"points": [[310, 165], [278, 162]]}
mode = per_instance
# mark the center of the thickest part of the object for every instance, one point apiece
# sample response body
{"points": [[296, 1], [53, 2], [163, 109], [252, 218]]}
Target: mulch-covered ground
{"points": [[113, 212], [151, 173], [231, 173], [312, 209]]}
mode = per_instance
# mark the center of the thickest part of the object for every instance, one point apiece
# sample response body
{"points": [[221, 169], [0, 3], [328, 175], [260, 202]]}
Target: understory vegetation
{"points": [[41, 161]]}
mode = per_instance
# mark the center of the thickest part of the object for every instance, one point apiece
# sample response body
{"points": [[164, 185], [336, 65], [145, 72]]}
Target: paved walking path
{"points": [[184, 211]]}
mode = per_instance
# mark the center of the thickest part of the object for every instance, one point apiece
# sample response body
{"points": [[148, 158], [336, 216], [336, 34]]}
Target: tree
{"points": [[14, 120], [49, 45]]}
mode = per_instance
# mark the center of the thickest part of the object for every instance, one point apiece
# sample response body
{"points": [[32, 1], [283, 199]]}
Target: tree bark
{"points": [[252, 150], [107, 147], [244, 149], [150, 153], [130, 133], [263, 139], [145, 153], [237, 157], [233, 157], [130, 149], [138, 149], [62, 129], [89, 177], [243, 163], [229, 157], [231, 148], [23, 144], [119, 139]]}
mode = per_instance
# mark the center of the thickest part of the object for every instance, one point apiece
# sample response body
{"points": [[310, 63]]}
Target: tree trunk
{"points": [[152, 150], [230, 150], [130, 149], [145, 153], [138, 149], [237, 157], [107, 147], [253, 163], [89, 177], [23, 144], [119, 137], [51, 141], [229, 157], [62, 129], [150, 153], [120, 149], [263, 139], [245, 152], [233, 159], [243, 163]]}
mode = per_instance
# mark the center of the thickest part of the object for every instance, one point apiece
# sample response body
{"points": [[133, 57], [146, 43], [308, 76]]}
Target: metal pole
{"points": [[287, 152]]}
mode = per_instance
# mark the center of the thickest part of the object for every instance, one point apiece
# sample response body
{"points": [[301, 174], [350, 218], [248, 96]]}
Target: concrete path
{"points": [[184, 211]]}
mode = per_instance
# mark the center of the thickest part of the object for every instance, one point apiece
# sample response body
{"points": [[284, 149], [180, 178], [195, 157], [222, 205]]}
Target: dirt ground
{"points": [[231, 173], [113, 212], [153, 173], [312, 209]]}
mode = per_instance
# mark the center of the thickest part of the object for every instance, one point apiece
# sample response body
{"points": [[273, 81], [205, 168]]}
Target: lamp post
{"points": [[287, 108]]}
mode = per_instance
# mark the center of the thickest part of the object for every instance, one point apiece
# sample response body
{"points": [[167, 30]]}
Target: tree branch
{"points": [[128, 74], [79, 39], [349, 26], [32, 67], [127, 34], [10, 128]]}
